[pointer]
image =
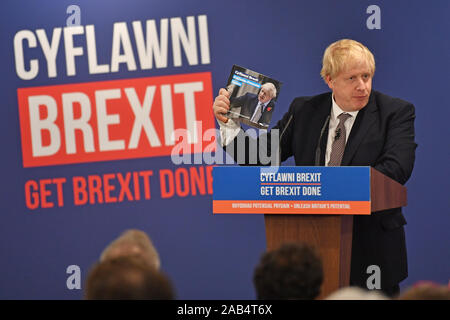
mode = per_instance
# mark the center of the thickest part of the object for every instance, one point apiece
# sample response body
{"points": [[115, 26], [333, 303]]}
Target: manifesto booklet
{"points": [[252, 97]]}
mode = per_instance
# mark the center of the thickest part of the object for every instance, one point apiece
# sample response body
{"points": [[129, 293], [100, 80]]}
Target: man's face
{"points": [[264, 95], [351, 87]]}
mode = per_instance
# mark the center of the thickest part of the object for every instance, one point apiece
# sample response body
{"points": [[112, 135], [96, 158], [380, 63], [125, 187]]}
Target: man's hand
{"points": [[221, 105]]}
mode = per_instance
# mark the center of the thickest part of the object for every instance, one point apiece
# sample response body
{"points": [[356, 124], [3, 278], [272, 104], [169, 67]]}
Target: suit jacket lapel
{"points": [[364, 120], [269, 105], [317, 122]]}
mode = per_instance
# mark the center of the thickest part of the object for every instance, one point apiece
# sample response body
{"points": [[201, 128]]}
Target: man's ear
{"points": [[329, 81]]}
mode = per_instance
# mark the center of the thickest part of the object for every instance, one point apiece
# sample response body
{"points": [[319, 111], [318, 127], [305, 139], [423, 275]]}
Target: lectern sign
{"points": [[291, 190]]}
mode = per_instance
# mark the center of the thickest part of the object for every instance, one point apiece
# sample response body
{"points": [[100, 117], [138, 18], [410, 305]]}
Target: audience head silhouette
{"points": [[293, 271], [356, 293], [132, 243], [127, 278], [426, 290]]}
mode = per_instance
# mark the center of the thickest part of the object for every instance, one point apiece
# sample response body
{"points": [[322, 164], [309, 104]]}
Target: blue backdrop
{"points": [[212, 257]]}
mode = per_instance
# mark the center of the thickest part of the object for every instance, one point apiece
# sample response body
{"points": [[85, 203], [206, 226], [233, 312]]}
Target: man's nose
{"points": [[361, 85]]}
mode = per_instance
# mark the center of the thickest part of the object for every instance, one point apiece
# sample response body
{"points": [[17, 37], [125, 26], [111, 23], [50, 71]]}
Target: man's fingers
{"points": [[221, 105], [219, 112], [222, 118], [222, 100], [224, 92]]}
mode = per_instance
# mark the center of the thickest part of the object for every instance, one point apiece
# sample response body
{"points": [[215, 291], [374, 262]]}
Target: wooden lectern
{"points": [[331, 235]]}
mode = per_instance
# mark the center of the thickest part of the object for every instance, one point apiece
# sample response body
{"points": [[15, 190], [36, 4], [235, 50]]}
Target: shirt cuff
{"points": [[228, 131]]}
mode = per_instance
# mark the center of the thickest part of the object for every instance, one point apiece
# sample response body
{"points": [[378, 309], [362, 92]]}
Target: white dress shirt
{"points": [[228, 131]]}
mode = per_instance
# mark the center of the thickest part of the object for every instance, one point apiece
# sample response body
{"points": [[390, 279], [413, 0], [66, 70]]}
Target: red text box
{"points": [[112, 120]]}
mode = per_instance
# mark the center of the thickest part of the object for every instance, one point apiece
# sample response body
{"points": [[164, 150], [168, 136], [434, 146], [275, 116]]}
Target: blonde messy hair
{"points": [[339, 53]]}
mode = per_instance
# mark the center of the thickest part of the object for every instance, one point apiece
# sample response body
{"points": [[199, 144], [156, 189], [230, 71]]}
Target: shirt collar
{"points": [[336, 110], [264, 105]]}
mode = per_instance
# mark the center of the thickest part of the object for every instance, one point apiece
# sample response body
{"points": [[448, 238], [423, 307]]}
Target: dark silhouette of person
{"points": [[293, 271], [127, 278], [132, 242]]}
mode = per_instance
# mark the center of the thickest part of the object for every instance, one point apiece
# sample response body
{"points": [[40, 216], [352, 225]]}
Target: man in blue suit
{"points": [[357, 126], [257, 108]]}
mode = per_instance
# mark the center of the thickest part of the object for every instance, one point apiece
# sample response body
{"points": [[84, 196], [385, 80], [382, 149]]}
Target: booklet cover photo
{"points": [[252, 97]]}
